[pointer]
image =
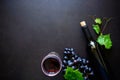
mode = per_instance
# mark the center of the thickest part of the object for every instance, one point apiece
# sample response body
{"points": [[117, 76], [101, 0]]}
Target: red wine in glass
{"points": [[51, 64]]}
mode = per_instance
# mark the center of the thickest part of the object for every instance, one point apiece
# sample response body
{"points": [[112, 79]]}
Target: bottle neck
{"points": [[87, 33]]}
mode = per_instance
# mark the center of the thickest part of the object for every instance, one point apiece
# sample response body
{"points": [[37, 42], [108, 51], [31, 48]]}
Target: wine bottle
{"points": [[95, 54]]}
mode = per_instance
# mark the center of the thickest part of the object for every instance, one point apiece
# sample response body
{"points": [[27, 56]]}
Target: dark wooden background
{"points": [[30, 29]]}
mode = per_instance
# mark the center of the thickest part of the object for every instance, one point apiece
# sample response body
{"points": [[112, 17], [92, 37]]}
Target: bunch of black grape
{"points": [[73, 60]]}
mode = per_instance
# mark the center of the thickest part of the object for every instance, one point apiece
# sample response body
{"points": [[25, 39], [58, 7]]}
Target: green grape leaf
{"points": [[71, 74], [96, 28], [98, 21], [105, 40]]}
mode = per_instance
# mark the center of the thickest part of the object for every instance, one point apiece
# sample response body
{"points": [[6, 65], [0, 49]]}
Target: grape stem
{"points": [[104, 27]]}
